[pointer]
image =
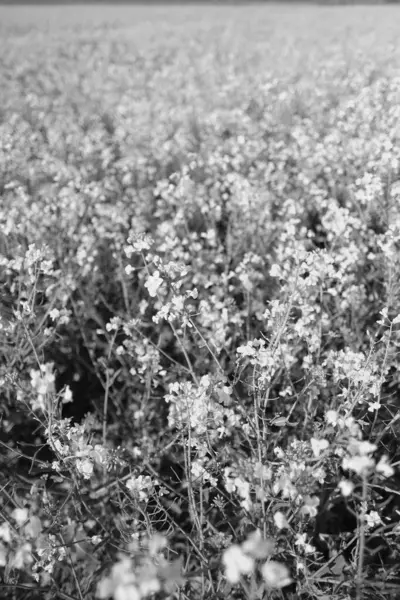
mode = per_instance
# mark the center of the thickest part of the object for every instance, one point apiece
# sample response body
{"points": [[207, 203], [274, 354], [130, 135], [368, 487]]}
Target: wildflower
{"points": [[20, 515], [275, 271], [237, 563], [301, 542], [54, 314], [243, 489], [114, 324], [310, 506], [280, 520], [319, 474], [257, 547], [138, 243], [359, 464], [246, 350], [153, 283], [346, 487], [22, 557], [318, 446], [384, 468], [5, 532], [284, 484], [148, 584], [140, 486], [279, 452], [156, 544], [85, 468], [372, 519], [67, 395], [276, 575], [43, 382], [121, 583], [361, 447], [95, 540]]}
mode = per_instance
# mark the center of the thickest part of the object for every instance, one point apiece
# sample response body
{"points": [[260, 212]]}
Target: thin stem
{"points": [[105, 406], [361, 539]]}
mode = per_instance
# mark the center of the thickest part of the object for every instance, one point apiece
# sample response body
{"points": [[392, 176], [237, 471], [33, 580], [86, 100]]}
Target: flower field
{"points": [[200, 303]]}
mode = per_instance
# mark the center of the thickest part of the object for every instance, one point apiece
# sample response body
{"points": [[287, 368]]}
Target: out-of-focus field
{"points": [[199, 302], [162, 69], [164, 72], [208, 57]]}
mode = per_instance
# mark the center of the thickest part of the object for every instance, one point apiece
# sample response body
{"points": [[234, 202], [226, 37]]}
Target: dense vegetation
{"points": [[200, 304]]}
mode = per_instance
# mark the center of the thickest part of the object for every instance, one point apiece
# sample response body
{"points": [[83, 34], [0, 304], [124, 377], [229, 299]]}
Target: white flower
{"points": [[20, 515], [178, 302], [95, 539], [275, 271], [246, 350], [140, 486], [127, 591], [54, 314], [157, 543], [310, 506], [318, 446], [384, 468], [23, 557], [153, 283], [121, 583], [43, 381], [236, 563], [114, 324], [258, 547], [280, 520], [197, 469], [359, 464], [276, 575], [149, 586], [67, 395], [372, 519], [243, 489], [5, 532], [85, 467], [346, 487], [331, 417], [361, 447], [279, 452], [301, 541]]}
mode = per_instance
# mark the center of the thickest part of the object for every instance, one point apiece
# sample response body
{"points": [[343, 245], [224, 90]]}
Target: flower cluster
{"points": [[241, 560]]}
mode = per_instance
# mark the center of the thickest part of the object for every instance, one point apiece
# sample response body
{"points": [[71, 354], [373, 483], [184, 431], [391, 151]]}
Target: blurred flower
{"points": [[372, 519], [301, 542], [257, 546], [276, 575], [346, 487], [318, 445], [237, 563], [280, 520], [310, 506], [384, 468], [153, 283], [85, 468], [359, 464], [20, 515]]}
